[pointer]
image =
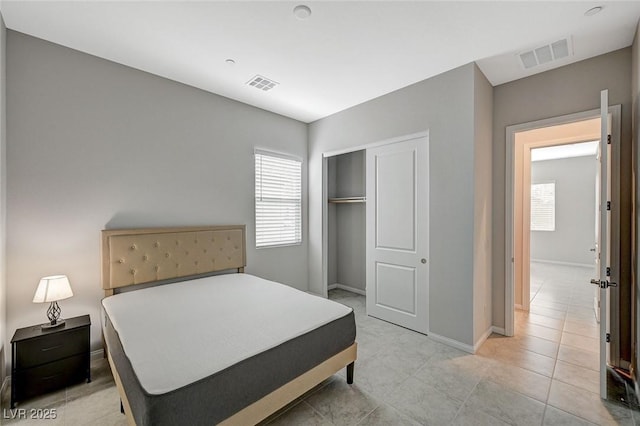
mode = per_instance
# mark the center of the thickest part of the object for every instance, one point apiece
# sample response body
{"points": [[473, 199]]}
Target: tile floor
{"points": [[545, 375]]}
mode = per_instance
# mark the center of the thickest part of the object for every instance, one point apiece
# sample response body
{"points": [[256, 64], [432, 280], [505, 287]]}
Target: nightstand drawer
{"points": [[45, 349], [47, 359], [51, 376]]}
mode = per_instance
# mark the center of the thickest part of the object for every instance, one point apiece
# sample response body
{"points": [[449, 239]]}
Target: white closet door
{"points": [[398, 233]]}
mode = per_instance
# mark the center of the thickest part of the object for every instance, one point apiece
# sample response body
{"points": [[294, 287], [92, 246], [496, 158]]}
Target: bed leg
{"points": [[350, 373]]}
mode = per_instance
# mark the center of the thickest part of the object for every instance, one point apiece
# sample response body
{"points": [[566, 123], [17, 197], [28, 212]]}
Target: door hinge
{"points": [[608, 338], [608, 271], [604, 284], [608, 205], [608, 139]]}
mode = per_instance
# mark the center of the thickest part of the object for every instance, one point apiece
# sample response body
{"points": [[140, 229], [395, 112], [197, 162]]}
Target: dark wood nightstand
{"points": [[43, 360]]}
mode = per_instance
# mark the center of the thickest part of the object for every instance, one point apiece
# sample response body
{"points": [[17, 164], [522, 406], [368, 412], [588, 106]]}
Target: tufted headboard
{"points": [[138, 256]]}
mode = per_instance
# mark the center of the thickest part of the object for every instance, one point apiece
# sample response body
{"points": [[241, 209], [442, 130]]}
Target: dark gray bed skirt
{"points": [[219, 396]]}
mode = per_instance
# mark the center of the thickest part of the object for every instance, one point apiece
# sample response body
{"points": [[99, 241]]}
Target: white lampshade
{"points": [[50, 289]]}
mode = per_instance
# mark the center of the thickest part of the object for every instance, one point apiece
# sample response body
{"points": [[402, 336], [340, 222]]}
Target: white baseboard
{"points": [[347, 288], [97, 354], [498, 330], [557, 262], [450, 342], [6, 382], [482, 339]]}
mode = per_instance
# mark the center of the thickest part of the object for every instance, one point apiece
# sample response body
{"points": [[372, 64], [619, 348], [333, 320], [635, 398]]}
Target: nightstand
{"points": [[43, 360]]}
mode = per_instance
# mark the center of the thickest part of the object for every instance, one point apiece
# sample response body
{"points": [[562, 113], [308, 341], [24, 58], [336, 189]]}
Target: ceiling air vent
{"points": [[262, 83], [545, 54]]}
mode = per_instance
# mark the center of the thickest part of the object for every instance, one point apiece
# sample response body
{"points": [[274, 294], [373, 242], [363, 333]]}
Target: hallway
{"points": [[554, 356]]}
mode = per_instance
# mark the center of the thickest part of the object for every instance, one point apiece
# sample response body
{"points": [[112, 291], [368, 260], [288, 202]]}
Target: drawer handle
{"points": [[51, 377], [51, 348]]}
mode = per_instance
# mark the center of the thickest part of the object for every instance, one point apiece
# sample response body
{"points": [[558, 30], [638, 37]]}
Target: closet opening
{"points": [[346, 222]]}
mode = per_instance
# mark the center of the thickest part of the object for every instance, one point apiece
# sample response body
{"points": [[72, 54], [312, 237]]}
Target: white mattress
{"points": [[179, 333]]}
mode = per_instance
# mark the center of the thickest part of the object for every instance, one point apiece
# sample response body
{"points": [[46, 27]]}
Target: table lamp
{"points": [[51, 289]]}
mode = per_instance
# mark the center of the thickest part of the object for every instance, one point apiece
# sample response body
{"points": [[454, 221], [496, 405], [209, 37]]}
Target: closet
{"points": [[347, 222]]}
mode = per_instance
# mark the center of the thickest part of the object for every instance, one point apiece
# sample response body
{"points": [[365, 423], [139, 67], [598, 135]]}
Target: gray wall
{"points": [[348, 227], [93, 144], [4, 354], [443, 104], [574, 235], [565, 90], [483, 200]]}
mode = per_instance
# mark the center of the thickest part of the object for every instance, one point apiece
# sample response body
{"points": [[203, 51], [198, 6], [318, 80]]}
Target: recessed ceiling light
{"points": [[230, 61], [593, 11], [301, 11]]}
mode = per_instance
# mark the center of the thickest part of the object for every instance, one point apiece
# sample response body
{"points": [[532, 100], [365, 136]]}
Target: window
{"points": [[543, 206], [278, 199]]}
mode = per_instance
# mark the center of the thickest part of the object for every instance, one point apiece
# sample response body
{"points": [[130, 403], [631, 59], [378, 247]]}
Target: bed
{"points": [[192, 346]]}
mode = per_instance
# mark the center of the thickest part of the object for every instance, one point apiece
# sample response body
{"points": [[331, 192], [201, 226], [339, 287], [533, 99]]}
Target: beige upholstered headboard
{"points": [[138, 256]]}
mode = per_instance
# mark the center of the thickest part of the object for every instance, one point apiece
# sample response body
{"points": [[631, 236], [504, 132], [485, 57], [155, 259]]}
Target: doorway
{"points": [[541, 157], [562, 130], [563, 234], [524, 138]]}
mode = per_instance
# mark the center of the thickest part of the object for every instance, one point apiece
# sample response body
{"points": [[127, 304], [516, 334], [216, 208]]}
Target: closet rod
{"points": [[343, 200]]}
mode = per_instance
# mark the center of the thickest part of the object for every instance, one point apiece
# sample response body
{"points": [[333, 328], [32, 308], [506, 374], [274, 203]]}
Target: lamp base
{"points": [[53, 313], [47, 325]]}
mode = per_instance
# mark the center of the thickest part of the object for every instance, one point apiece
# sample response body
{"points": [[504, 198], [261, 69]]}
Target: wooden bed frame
{"points": [[158, 255]]}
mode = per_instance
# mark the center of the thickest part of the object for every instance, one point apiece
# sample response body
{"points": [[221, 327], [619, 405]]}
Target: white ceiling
{"points": [[344, 54]]}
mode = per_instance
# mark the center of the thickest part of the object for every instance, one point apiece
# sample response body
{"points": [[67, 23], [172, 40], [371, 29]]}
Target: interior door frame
{"points": [[510, 196], [325, 193]]}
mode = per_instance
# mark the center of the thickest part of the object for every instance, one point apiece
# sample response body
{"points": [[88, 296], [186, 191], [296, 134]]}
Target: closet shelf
{"points": [[343, 200]]}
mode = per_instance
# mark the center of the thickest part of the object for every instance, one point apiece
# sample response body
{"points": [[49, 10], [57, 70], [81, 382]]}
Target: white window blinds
{"points": [[278, 199], [543, 206]]}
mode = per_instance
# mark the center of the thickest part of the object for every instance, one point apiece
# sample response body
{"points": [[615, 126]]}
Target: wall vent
{"points": [[262, 83], [544, 54]]}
